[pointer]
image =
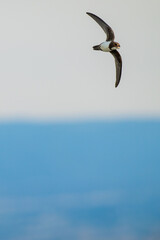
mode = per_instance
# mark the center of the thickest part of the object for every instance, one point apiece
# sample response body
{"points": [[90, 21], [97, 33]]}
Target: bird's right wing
{"points": [[118, 63], [106, 28]]}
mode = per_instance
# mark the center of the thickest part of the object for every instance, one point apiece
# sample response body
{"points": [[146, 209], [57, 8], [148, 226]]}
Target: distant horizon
{"points": [[79, 158], [61, 120]]}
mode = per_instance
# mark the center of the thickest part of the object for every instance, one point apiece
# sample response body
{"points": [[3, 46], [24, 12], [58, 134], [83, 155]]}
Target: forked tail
{"points": [[97, 47]]}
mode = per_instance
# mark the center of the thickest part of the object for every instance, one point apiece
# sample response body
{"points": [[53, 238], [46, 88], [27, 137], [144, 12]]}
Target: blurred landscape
{"points": [[80, 180], [79, 159]]}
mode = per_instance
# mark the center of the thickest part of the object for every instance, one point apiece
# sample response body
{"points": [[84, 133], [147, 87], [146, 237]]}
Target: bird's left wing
{"points": [[118, 63], [106, 28]]}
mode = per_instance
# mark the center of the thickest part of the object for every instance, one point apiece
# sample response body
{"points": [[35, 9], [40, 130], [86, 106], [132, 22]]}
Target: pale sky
{"points": [[49, 70]]}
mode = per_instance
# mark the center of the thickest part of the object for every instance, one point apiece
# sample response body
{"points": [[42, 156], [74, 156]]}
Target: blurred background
{"points": [[79, 159]]}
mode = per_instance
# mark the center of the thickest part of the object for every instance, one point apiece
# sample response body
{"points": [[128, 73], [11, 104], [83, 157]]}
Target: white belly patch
{"points": [[105, 46]]}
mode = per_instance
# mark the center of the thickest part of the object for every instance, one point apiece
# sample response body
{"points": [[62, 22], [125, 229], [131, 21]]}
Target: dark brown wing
{"points": [[106, 28], [118, 63]]}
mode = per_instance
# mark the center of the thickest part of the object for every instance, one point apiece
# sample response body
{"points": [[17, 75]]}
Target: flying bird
{"points": [[109, 46]]}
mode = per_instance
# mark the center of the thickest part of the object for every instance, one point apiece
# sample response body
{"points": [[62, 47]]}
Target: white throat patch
{"points": [[114, 48]]}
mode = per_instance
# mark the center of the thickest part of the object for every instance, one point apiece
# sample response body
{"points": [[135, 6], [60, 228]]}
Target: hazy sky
{"points": [[49, 70]]}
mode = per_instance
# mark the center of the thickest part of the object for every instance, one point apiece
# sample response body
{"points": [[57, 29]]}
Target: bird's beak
{"points": [[118, 46]]}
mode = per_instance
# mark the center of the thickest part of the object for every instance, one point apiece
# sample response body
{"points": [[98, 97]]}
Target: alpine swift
{"points": [[109, 46]]}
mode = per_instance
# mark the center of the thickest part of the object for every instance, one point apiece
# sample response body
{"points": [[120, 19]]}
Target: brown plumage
{"points": [[109, 46]]}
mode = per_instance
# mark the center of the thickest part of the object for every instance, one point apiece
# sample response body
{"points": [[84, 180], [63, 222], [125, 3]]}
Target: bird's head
{"points": [[114, 45]]}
